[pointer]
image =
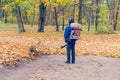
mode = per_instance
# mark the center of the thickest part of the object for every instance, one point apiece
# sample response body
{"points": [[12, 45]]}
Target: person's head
{"points": [[71, 21]]}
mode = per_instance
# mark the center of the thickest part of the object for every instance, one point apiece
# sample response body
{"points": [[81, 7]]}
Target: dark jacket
{"points": [[68, 32]]}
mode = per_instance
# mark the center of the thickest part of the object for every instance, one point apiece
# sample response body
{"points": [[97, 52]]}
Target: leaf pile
{"points": [[11, 52]]}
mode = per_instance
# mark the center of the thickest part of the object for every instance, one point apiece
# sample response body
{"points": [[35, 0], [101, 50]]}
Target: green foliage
{"points": [[110, 29], [106, 29], [103, 26], [63, 3], [84, 21], [102, 29], [103, 15]]}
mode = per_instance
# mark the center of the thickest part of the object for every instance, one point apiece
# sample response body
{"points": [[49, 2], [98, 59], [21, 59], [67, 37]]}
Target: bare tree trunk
{"points": [[113, 15], [42, 15], [116, 16], [48, 15], [6, 17], [89, 19], [12, 17], [111, 10], [2, 13], [33, 16], [63, 19], [0, 9], [84, 11], [26, 18], [80, 12], [56, 19], [97, 16], [92, 21], [19, 20], [74, 12]]}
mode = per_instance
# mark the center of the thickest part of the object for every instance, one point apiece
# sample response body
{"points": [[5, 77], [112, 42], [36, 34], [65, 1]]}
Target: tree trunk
{"points": [[56, 19], [111, 10], [26, 18], [63, 19], [74, 12], [2, 13], [6, 16], [116, 16], [80, 12], [48, 15], [89, 19], [42, 15], [97, 16], [33, 16], [12, 17], [0, 9], [84, 11], [92, 21], [19, 20], [113, 15]]}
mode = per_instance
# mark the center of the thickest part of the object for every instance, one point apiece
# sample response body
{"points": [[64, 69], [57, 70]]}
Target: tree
{"points": [[33, 15], [103, 19], [5, 13], [0, 8], [42, 15], [55, 5], [116, 16], [111, 4], [63, 19], [80, 12], [88, 18], [64, 4], [16, 6], [19, 19], [74, 8], [56, 19], [2, 3], [97, 15]]}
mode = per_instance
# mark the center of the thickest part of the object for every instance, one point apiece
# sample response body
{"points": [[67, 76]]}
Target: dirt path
{"points": [[53, 68]]}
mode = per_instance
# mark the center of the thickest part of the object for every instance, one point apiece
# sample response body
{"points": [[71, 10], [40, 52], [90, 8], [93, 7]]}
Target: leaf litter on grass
{"points": [[50, 42]]}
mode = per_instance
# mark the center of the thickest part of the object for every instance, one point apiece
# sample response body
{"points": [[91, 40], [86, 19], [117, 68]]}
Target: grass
{"points": [[8, 26], [48, 28], [11, 26]]}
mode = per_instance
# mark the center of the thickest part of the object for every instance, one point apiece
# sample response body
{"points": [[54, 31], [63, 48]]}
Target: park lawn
{"points": [[7, 26]]}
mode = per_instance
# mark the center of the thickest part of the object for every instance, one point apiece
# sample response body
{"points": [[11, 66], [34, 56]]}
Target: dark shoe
{"points": [[67, 62], [73, 62]]}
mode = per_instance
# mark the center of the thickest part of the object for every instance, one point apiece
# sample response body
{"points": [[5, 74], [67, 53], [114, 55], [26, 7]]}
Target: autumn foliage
{"points": [[24, 46]]}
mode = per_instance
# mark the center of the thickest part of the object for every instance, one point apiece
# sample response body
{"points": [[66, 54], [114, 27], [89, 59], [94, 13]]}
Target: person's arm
{"points": [[67, 33]]}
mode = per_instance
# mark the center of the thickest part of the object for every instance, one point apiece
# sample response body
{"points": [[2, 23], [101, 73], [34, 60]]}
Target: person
{"points": [[70, 43]]}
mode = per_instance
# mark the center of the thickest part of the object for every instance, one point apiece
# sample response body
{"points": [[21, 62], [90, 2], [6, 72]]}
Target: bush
{"points": [[107, 29]]}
